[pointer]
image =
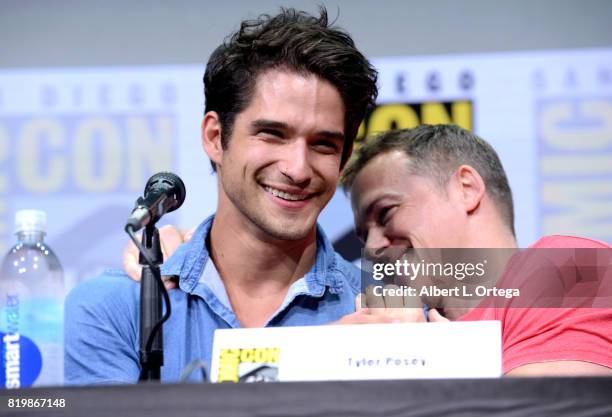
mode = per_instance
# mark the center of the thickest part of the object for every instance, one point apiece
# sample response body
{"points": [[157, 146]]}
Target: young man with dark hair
{"points": [[284, 99], [300, 44], [442, 187]]}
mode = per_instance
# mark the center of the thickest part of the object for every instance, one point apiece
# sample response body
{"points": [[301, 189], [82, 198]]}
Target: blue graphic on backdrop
{"points": [[575, 158], [85, 171], [81, 143], [78, 154]]}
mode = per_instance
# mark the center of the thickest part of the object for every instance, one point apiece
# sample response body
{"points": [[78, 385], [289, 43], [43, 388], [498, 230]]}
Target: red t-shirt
{"points": [[531, 335]]}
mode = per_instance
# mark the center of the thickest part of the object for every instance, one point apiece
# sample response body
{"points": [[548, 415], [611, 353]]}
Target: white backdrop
{"points": [[81, 143]]}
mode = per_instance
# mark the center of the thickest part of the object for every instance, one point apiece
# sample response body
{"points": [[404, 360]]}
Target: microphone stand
{"points": [[151, 357]]}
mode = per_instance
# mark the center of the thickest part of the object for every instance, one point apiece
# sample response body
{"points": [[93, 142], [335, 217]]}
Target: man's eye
{"points": [[270, 132], [327, 146], [384, 215]]}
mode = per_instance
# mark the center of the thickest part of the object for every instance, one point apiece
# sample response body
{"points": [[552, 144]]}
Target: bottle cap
{"points": [[30, 221]]}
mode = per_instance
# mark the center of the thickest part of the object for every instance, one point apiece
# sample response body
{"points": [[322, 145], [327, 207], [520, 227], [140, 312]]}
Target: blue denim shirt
{"points": [[102, 314]]}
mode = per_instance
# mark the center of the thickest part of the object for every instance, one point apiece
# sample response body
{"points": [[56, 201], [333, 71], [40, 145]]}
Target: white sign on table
{"points": [[358, 352]]}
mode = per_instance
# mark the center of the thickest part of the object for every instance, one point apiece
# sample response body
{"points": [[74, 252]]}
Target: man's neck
{"points": [[257, 270]]}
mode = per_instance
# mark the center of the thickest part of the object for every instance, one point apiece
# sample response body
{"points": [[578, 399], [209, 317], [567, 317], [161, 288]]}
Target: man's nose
{"points": [[297, 165], [377, 242]]}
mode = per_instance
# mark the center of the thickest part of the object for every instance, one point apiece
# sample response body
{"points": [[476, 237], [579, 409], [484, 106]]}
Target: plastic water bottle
{"points": [[31, 308]]}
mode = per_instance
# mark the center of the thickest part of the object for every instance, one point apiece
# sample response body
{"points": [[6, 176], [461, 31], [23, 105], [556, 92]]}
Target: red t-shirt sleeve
{"points": [[531, 335], [556, 334]]}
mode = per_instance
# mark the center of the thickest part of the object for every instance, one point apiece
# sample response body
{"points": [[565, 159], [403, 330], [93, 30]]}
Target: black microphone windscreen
{"points": [[167, 181]]}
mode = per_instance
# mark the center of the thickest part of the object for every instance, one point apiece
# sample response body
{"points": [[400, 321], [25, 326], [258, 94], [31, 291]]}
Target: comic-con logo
{"points": [[389, 116], [248, 365]]}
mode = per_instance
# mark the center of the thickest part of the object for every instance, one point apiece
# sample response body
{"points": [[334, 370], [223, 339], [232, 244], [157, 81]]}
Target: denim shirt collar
{"points": [[189, 260]]}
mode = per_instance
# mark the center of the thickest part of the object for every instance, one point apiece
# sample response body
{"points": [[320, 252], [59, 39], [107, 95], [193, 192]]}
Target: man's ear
{"points": [[471, 187], [211, 137]]}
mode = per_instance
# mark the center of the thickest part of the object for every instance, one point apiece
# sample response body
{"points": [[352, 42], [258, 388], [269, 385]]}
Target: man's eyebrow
{"points": [[275, 124], [269, 124]]}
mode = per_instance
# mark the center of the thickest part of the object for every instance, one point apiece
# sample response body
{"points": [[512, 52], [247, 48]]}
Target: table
{"points": [[460, 397]]}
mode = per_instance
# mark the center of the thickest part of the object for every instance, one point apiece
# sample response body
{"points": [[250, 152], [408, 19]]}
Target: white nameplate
{"points": [[356, 352]]}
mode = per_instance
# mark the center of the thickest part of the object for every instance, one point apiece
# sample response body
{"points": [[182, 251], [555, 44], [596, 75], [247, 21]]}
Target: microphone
{"points": [[164, 192]]}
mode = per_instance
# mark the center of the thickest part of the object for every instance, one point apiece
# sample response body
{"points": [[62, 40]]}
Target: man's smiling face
{"points": [[282, 163], [396, 208]]}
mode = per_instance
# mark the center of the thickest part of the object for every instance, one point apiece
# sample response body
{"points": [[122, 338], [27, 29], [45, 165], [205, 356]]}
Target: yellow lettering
{"points": [[29, 158], [148, 154], [361, 132], [260, 356], [462, 114], [273, 354], [246, 355], [228, 365], [434, 114], [105, 132], [388, 116]]}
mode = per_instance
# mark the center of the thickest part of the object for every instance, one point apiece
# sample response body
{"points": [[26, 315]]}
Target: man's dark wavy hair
{"points": [[296, 41]]}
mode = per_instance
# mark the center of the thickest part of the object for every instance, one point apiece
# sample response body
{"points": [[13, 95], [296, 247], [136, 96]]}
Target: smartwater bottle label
{"points": [[21, 361]]}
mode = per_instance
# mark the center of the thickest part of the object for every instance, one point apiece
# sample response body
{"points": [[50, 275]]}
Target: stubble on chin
{"points": [[287, 230], [256, 208], [270, 223]]}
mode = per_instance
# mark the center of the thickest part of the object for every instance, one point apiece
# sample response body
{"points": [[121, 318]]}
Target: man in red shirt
{"points": [[442, 187]]}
